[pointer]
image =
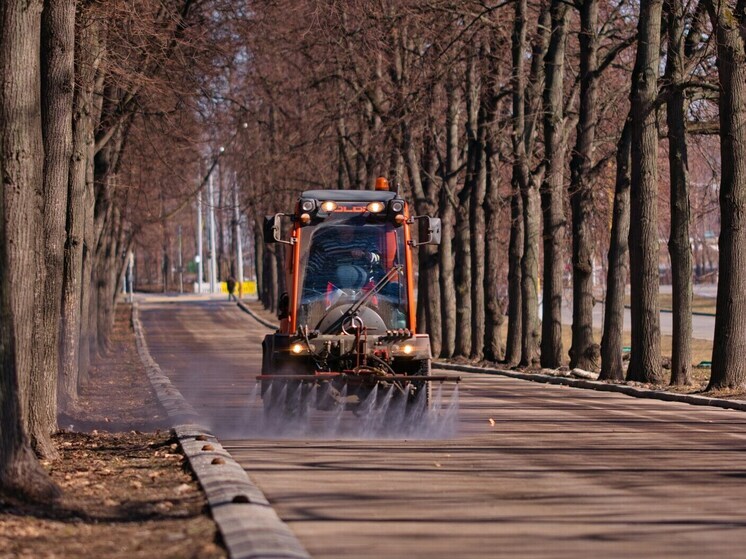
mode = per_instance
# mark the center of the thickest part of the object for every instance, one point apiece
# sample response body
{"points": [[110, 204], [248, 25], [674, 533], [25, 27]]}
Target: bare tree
{"points": [[728, 364], [552, 191], [645, 360], [21, 165], [581, 198], [678, 243], [612, 367]]}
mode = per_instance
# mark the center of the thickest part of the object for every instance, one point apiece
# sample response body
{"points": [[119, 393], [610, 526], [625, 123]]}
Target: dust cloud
{"points": [[384, 414]]}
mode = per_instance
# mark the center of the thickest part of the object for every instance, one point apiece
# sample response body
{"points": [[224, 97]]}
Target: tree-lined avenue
{"points": [[562, 472]]}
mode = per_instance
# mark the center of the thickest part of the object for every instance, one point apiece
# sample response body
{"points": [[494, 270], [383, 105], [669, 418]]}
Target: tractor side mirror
{"points": [[428, 229], [273, 229]]}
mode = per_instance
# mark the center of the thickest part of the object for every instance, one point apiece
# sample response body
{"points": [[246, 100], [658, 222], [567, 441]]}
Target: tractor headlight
{"points": [[397, 206], [307, 205], [297, 348], [408, 349], [329, 206], [376, 207]]}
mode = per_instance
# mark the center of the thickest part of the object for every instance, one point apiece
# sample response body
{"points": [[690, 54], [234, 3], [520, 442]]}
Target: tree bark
{"points": [[530, 277], [258, 258], [477, 219], [515, 257], [519, 177], [582, 350], [21, 165], [728, 363], [87, 60], [494, 309], [465, 282], [678, 242], [616, 279], [530, 181], [552, 192], [87, 334], [425, 192], [448, 217], [57, 67], [645, 360]]}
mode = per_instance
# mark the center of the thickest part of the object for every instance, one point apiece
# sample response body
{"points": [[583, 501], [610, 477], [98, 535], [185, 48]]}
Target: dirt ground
{"points": [[126, 492]]}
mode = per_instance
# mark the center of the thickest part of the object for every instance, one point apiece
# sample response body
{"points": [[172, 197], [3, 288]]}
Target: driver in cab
{"points": [[343, 257]]}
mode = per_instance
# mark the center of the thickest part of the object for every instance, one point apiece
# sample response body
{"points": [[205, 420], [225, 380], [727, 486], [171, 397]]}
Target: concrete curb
{"points": [[249, 526], [739, 405], [259, 319]]}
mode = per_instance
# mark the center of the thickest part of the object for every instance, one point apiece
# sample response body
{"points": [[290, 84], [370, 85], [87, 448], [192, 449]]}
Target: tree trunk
{"points": [[515, 258], [530, 182], [448, 217], [463, 280], [678, 242], [88, 276], [728, 363], [87, 334], [21, 164], [616, 279], [645, 360], [425, 196], [259, 258], [477, 224], [530, 276], [583, 348], [552, 193], [519, 177], [57, 66], [465, 286], [87, 63], [494, 311]]}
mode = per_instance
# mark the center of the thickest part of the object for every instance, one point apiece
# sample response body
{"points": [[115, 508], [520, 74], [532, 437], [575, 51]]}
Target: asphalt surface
{"points": [[703, 327], [557, 472]]}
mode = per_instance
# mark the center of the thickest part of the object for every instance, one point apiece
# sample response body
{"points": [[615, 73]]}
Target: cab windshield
{"points": [[342, 259]]}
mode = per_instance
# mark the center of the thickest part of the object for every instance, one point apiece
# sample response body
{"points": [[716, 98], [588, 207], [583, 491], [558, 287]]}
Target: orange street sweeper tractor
{"points": [[348, 320]]}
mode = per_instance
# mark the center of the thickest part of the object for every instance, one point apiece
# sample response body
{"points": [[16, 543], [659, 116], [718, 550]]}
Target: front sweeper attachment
{"points": [[349, 388]]}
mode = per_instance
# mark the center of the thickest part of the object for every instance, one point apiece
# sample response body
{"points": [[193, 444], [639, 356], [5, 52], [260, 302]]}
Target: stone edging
{"points": [[249, 525], [259, 319], [602, 386]]}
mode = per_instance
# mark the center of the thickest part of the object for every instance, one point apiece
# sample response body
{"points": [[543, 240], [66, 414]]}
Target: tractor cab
{"points": [[351, 312]]}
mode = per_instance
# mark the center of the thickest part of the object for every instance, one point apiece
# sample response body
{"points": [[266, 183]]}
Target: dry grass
{"points": [[701, 349]]}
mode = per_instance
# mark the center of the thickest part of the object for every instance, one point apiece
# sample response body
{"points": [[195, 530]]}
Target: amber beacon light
{"points": [[382, 183]]}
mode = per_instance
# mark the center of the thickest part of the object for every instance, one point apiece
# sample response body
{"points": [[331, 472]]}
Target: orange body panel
{"points": [[410, 274], [293, 310]]}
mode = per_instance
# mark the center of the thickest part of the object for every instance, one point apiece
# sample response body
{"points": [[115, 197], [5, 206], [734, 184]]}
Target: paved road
{"points": [[562, 472], [703, 327]]}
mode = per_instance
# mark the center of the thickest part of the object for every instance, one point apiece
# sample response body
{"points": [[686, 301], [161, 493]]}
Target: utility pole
{"points": [[200, 272], [237, 233], [181, 264], [211, 225]]}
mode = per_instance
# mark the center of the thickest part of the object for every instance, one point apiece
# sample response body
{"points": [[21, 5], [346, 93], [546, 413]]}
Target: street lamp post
{"points": [[237, 233], [200, 271], [211, 225]]}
